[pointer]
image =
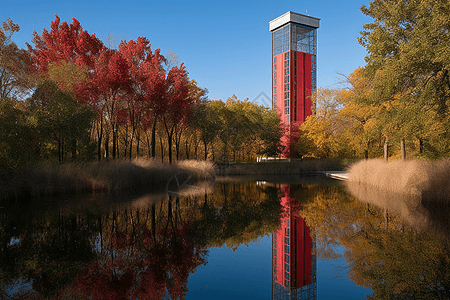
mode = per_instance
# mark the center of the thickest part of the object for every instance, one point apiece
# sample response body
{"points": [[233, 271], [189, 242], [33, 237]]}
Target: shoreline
{"points": [[49, 179]]}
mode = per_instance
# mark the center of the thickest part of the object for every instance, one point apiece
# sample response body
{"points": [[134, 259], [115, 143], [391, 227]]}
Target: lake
{"points": [[284, 238]]}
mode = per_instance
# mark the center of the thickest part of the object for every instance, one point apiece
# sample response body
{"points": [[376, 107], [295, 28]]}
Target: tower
{"points": [[294, 47]]}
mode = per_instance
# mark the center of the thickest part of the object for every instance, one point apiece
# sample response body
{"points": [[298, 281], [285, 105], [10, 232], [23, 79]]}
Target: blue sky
{"points": [[226, 46]]}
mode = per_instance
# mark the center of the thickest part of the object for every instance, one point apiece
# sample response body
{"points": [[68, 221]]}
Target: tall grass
{"points": [[114, 176], [415, 190], [428, 179]]}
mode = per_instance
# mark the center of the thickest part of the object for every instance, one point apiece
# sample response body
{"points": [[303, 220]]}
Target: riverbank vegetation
{"points": [[71, 98], [47, 179], [428, 179]]}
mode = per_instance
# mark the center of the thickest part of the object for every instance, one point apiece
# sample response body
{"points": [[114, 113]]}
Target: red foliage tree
{"points": [[147, 76], [178, 104], [64, 42], [108, 83], [103, 282]]}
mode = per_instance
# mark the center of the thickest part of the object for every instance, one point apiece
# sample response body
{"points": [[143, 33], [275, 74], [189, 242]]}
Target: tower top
{"points": [[294, 18]]}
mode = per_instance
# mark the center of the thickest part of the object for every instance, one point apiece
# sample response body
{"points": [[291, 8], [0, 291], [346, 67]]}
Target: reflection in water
{"points": [[293, 257], [392, 244], [148, 247], [422, 215], [129, 250]]}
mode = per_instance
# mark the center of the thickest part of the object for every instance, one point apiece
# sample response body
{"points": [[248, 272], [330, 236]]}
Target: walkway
{"points": [[340, 175]]}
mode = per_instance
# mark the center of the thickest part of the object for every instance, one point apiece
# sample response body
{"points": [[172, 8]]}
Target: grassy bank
{"points": [[428, 179], [51, 179], [295, 167]]}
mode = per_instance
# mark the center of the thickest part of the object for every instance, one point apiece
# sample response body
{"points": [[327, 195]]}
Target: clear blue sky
{"points": [[226, 46]]}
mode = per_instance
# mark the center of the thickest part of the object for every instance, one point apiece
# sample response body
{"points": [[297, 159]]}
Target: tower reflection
{"points": [[293, 252]]}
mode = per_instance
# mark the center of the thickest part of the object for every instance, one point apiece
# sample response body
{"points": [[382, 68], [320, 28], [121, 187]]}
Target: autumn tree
{"points": [[178, 103], [408, 61], [145, 70], [64, 43], [16, 136], [323, 126], [15, 78], [365, 129], [67, 55]]}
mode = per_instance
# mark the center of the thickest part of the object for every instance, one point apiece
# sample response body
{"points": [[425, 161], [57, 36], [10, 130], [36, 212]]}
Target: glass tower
{"points": [[294, 48]]}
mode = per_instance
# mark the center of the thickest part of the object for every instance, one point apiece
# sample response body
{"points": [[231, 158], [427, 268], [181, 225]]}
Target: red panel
{"points": [[303, 89], [303, 86]]}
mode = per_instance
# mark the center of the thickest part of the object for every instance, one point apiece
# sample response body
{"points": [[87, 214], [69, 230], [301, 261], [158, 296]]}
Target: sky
{"points": [[225, 46]]}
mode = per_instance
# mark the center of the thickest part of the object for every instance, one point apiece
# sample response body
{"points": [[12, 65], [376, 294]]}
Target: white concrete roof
{"points": [[294, 18]]}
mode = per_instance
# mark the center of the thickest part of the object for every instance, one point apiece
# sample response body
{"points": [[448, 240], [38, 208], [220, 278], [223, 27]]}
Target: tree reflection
{"points": [[145, 252], [387, 250]]}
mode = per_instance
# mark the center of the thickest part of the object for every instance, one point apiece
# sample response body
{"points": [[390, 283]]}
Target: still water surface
{"points": [[303, 239]]}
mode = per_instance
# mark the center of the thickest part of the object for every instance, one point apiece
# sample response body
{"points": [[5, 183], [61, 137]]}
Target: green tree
{"points": [[244, 128], [204, 119], [270, 132], [18, 144], [59, 119]]}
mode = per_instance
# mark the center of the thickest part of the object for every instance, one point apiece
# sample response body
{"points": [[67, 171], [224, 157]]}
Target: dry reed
{"points": [[428, 179], [50, 179]]}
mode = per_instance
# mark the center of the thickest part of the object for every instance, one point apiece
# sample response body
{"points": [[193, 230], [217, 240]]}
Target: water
{"points": [[302, 239]]}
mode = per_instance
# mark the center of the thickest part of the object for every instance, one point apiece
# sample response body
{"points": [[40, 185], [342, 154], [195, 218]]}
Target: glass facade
{"points": [[294, 37]]}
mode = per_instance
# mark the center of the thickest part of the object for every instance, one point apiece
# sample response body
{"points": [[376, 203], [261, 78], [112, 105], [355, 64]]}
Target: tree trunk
{"points": [[154, 139], [420, 146], [99, 142], [196, 151], [137, 145], [107, 147], [366, 152], [206, 150], [114, 142], [74, 149], [149, 146], [162, 149], [386, 149], [187, 149], [178, 142], [59, 151], [402, 148], [169, 143], [131, 144], [177, 148]]}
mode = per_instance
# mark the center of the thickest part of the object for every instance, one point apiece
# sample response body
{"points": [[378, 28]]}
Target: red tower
{"points": [[294, 45]]}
